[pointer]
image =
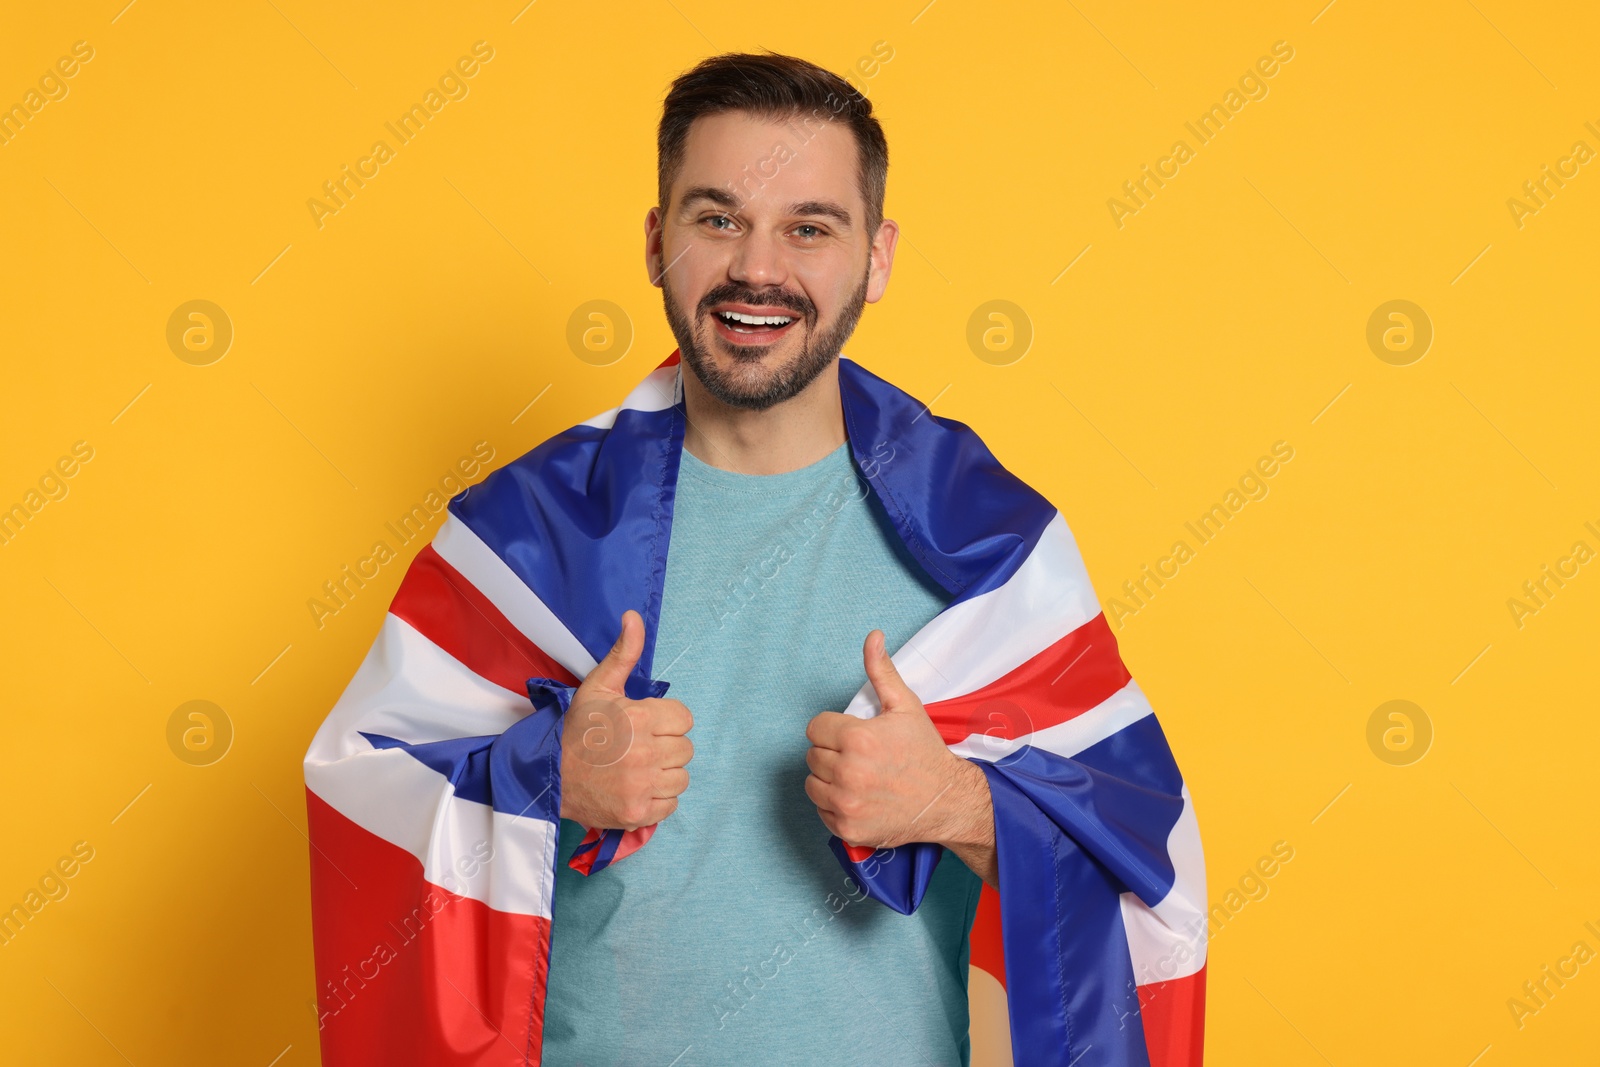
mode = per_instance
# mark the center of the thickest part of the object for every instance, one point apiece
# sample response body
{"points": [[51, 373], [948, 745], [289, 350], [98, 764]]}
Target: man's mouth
{"points": [[744, 327]]}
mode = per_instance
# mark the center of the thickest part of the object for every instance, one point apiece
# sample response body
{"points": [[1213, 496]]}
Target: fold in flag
{"points": [[434, 791]]}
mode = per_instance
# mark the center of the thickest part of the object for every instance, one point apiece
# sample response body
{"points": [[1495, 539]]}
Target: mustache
{"points": [[738, 294]]}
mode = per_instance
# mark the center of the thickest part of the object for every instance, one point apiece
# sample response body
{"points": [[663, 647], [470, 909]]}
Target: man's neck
{"points": [[785, 437]]}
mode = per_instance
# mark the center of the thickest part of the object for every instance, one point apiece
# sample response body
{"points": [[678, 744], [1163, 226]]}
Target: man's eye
{"points": [[816, 230], [714, 219]]}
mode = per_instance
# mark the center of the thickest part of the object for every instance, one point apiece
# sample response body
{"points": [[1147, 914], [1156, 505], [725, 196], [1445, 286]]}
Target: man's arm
{"points": [[967, 823], [890, 780]]}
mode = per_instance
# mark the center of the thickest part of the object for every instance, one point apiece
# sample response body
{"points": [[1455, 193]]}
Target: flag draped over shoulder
{"points": [[433, 787]]}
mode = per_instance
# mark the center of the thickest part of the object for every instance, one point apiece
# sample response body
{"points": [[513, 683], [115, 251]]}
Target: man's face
{"points": [[766, 221]]}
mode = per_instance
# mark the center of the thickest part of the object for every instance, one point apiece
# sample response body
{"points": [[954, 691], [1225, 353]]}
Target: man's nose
{"points": [[759, 261]]}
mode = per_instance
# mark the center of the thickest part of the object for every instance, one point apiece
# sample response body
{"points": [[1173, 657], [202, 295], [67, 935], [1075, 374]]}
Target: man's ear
{"points": [[880, 259], [653, 258]]}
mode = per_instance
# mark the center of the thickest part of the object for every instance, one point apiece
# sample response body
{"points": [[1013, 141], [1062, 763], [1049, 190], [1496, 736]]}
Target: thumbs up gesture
{"points": [[623, 762], [889, 780]]}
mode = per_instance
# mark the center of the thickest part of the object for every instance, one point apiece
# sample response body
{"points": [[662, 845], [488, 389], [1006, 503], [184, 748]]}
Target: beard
{"points": [[744, 386]]}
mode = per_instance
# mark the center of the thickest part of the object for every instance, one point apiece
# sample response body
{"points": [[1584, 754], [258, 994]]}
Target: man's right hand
{"points": [[623, 762]]}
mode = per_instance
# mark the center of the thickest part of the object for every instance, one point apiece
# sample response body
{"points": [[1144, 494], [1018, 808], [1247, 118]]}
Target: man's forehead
{"points": [[784, 162]]}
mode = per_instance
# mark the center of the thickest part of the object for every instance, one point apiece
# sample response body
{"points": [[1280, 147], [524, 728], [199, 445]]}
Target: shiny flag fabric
{"points": [[433, 787]]}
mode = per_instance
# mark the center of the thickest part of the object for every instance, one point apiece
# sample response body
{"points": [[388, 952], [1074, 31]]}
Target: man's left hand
{"points": [[889, 780]]}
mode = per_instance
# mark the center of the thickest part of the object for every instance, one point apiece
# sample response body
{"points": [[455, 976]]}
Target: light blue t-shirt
{"points": [[734, 936]]}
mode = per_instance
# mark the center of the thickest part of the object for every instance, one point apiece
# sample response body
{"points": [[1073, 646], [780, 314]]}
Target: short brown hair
{"points": [[771, 86]]}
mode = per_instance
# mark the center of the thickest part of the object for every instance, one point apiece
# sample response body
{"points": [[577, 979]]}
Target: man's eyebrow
{"points": [[721, 197], [826, 208]]}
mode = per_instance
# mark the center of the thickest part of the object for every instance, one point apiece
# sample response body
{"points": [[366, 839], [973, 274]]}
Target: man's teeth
{"points": [[755, 320]]}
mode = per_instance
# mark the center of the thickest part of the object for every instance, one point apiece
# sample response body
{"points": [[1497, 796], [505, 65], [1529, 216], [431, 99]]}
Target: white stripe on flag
{"points": [[411, 689], [464, 550], [603, 421], [1169, 940], [659, 389], [501, 860], [1066, 739], [1047, 598]]}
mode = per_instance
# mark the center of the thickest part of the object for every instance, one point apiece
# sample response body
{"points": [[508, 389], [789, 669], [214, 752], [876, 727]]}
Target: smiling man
{"points": [[781, 566], [525, 851]]}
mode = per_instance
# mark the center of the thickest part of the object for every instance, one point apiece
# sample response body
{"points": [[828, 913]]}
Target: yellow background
{"points": [[426, 315]]}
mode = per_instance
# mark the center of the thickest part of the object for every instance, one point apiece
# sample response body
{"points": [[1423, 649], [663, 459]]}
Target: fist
{"points": [[624, 763], [888, 780]]}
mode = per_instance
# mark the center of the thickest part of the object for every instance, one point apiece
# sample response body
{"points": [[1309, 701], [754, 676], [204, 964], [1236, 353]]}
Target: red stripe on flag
{"points": [[583, 859], [1073, 675], [409, 973], [448, 610], [586, 852], [1174, 1015], [633, 840], [988, 948]]}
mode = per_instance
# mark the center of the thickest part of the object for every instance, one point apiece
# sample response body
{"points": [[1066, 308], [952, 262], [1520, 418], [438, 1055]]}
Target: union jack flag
{"points": [[433, 787]]}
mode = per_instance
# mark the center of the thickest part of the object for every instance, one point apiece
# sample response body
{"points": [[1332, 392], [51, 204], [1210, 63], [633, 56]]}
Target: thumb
{"points": [[893, 693], [611, 673]]}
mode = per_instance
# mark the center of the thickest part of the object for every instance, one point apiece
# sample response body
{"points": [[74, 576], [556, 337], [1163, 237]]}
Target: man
{"points": [[776, 516], [780, 565]]}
